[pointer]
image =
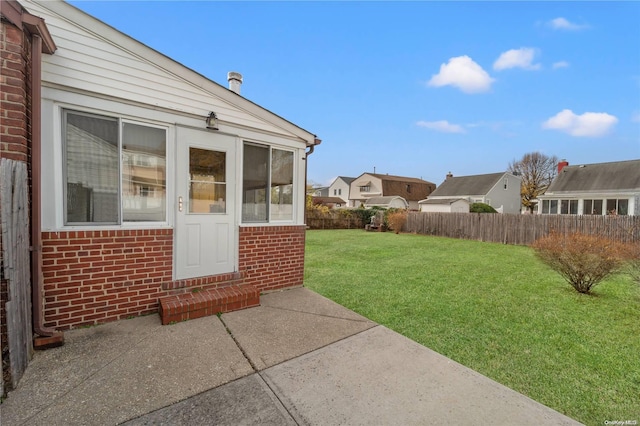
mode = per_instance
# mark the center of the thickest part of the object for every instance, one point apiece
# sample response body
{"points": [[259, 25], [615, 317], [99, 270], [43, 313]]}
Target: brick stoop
{"points": [[186, 306]]}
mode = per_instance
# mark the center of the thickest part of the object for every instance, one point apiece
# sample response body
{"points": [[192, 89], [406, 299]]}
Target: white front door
{"points": [[205, 234]]}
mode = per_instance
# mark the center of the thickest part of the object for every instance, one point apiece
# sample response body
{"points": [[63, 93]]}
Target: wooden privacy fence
{"points": [[520, 229], [14, 218]]}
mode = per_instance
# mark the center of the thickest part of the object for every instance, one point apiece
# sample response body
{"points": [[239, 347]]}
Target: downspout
{"points": [[47, 337], [312, 148]]}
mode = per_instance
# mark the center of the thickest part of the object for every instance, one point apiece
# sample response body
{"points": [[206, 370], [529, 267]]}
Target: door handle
{"points": [[179, 204]]}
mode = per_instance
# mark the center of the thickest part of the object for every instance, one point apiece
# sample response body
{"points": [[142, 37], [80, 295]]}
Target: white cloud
{"points": [[462, 72], [516, 58], [564, 24], [441, 126], [560, 64], [589, 124]]}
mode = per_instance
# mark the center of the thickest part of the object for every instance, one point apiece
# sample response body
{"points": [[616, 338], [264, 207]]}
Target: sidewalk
{"points": [[299, 358]]}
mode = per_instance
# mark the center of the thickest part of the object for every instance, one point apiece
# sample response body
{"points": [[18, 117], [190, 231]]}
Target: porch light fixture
{"points": [[212, 121]]}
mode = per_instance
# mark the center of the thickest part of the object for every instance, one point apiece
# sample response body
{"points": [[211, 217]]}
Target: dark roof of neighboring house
{"points": [[467, 185], [346, 179], [618, 175], [411, 189], [442, 201], [398, 178]]}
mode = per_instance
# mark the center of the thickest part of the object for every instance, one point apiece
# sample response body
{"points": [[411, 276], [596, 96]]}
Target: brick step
{"points": [[186, 306]]}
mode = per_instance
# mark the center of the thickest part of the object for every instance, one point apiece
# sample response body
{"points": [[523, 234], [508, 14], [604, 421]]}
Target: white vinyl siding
{"points": [[88, 62], [505, 195]]}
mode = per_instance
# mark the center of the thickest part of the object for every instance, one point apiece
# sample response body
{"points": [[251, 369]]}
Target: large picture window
{"points": [[114, 171], [267, 184]]}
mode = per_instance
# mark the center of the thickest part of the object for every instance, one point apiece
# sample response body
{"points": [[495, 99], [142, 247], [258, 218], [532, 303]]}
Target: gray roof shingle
{"points": [[441, 201], [382, 200], [398, 178], [614, 176], [346, 179], [467, 185]]}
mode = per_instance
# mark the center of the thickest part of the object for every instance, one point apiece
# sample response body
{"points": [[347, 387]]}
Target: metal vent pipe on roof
{"points": [[235, 81]]}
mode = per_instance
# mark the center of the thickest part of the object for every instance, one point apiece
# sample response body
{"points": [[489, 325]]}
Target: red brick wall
{"points": [[92, 277], [272, 257], [15, 69]]}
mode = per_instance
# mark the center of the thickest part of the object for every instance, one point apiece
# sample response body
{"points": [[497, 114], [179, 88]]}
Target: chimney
{"points": [[449, 175], [562, 164], [235, 81]]}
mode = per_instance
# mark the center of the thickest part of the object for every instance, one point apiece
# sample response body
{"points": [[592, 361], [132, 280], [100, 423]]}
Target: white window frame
{"points": [[294, 194], [603, 206], [617, 209], [59, 123]]}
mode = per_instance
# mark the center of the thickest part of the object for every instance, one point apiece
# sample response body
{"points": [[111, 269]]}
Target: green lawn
{"points": [[496, 309]]}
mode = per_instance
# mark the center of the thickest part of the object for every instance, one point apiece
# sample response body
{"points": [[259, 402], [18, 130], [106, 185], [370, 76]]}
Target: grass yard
{"points": [[496, 309]]}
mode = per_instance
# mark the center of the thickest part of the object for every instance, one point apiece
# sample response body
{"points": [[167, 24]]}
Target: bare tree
{"points": [[537, 171]]}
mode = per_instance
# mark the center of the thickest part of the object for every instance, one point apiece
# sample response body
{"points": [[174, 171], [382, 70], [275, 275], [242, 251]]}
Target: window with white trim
{"points": [[592, 207], [549, 207], [568, 206], [267, 184], [618, 206], [114, 170]]}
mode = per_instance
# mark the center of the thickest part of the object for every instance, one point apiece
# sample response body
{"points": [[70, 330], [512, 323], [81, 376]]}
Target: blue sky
{"points": [[417, 88]]}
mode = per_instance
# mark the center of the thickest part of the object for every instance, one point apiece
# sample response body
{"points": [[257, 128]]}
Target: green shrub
{"points": [[481, 208], [364, 214], [582, 260]]}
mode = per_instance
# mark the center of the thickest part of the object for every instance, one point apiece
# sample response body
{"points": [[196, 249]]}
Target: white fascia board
{"points": [[587, 194]]}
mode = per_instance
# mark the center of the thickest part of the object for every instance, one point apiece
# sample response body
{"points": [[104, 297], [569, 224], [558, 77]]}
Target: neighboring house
{"points": [[445, 205], [389, 202], [321, 192], [340, 188], [594, 189], [371, 185], [331, 202], [499, 190], [154, 180]]}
